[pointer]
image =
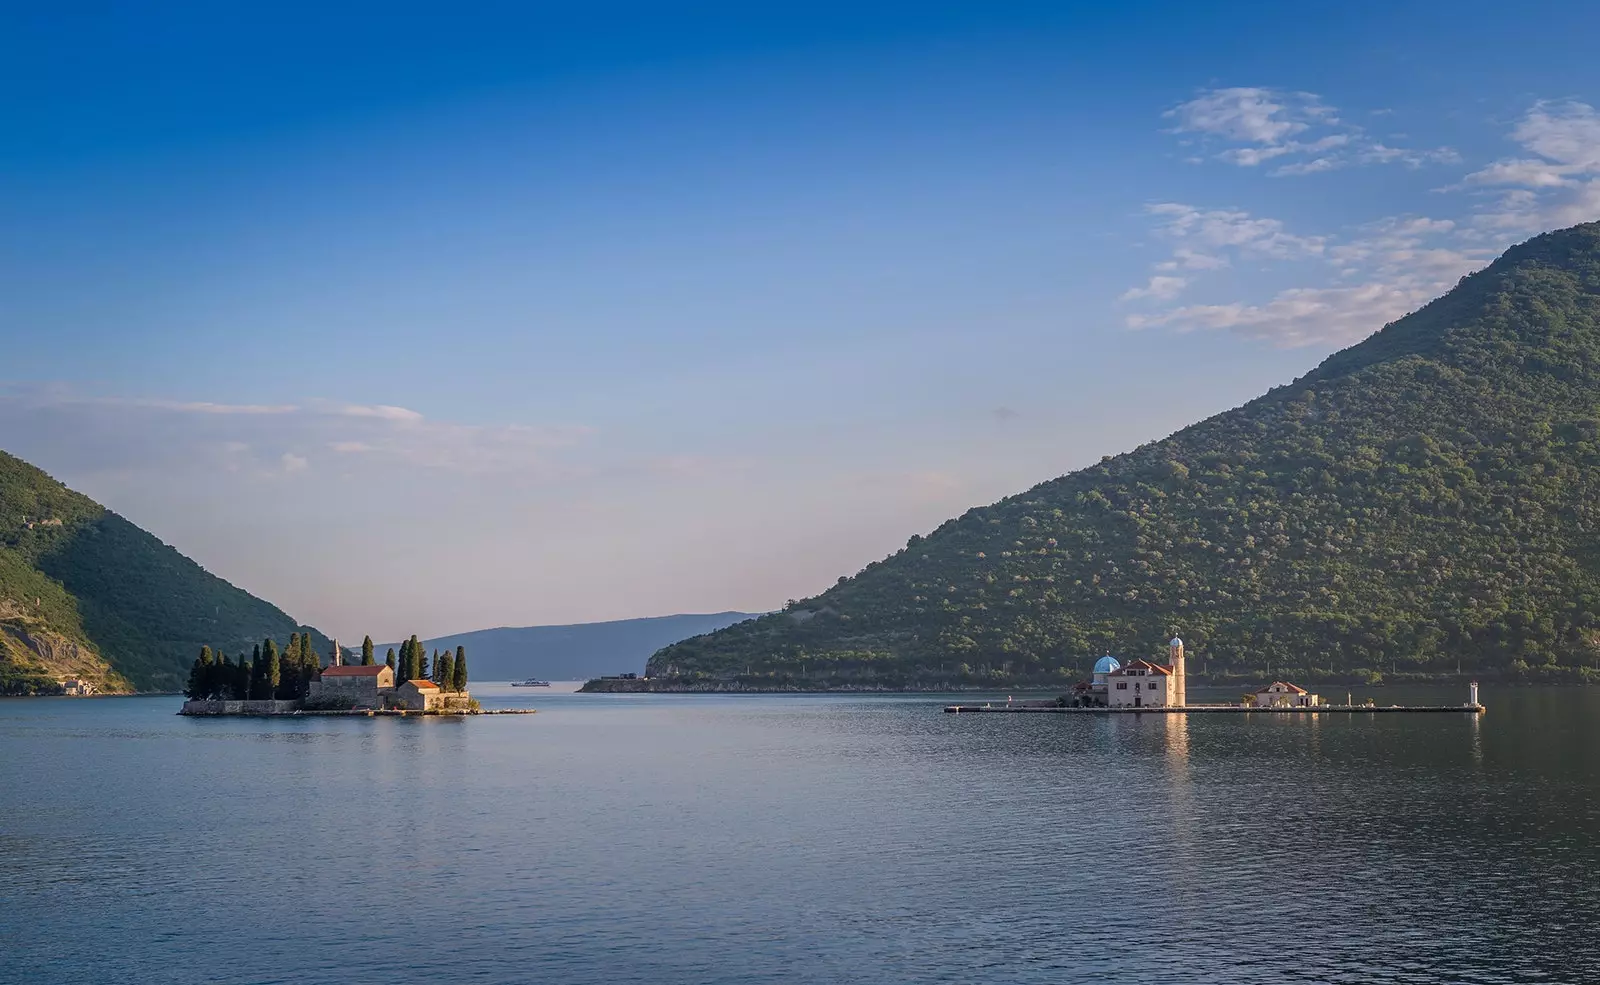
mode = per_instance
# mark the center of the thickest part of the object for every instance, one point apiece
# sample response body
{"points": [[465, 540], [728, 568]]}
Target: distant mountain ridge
{"points": [[577, 651], [83, 592], [1426, 502]]}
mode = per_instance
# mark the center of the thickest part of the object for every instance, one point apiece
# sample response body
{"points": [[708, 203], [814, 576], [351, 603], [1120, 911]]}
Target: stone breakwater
{"points": [[669, 685], [214, 709]]}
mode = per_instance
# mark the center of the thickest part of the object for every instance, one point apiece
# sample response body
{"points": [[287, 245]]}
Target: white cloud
{"points": [[1203, 232], [1558, 186], [293, 463], [1247, 115], [1161, 287], [1301, 316], [381, 411], [1361, 278], [1567, 132], [1266, 124], [1209, 239], [1398, 264]]}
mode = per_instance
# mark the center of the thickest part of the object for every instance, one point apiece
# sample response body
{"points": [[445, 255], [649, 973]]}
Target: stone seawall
{"points": [[239, 707]]}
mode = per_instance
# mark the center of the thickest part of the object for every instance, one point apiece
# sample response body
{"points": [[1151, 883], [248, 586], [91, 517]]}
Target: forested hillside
{"points": [[1424, 501], [83, 591]]}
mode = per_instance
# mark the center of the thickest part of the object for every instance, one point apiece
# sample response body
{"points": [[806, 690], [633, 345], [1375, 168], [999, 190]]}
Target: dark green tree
{"points": [[310, 666], [258, 674], [366, 652], [200, 676], [289, 669], [389, 660], [458, 671], [221, 677], [444, 670], [272, 674], [422, 668]]}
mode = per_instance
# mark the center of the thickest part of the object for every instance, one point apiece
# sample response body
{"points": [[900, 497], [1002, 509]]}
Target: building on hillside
{"points": [[419, 695], [1141, 684], [365, 687], [77, 687], [1281, 694]]}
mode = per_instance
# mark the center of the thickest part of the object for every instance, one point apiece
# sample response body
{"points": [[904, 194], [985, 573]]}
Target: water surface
{"points": [[643, 838]]}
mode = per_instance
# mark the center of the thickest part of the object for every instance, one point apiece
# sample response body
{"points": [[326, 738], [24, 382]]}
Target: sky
{"points": [[425, 318]]}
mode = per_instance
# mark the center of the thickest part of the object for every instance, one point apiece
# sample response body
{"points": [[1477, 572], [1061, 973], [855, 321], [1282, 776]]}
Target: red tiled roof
{"points": [[1292, 687], [424, 683], [354, 671], [1143, 665]]}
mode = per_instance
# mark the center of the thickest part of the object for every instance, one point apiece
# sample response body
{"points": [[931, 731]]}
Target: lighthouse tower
{"points": [[1180, 685], [338, 657]]}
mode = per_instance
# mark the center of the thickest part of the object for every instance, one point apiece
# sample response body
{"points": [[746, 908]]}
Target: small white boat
{"points": [[530, 682]]}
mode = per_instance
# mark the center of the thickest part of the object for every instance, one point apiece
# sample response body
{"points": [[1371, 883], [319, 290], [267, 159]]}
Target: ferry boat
{"points": [[530, 682]]}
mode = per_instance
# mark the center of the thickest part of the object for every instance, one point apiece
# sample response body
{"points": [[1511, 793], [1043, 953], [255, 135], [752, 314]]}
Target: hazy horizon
{"points": [[426, 323]]}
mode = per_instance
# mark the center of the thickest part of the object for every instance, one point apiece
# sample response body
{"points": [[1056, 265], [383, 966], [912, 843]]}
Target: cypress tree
{"points": [[459, 671], [444, 670], [310, 666], [241, 679], [414, 662], [422, 668], [273, 672], [389, 660], [258, 671], [221, 677], [289, 669], [199, 673], [366, 652]]}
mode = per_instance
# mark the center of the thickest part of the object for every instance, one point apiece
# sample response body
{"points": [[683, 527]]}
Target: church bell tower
{"points": [[1180, 683]]}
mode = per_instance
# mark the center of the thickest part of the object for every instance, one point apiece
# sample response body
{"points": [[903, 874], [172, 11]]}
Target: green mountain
{"points": [[1423, 502], [83, 592]]}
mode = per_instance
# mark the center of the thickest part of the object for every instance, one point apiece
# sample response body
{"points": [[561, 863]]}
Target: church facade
{"points": [[1137, 684]]}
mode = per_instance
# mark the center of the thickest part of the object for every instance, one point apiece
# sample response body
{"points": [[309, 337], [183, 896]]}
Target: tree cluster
{"points": [[287, 674]]}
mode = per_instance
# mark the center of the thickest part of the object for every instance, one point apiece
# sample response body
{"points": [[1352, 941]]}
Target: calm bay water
{"points": [[614, 839]]}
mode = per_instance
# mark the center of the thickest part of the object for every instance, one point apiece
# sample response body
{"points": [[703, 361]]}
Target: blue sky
{"points": [[423, 318]]}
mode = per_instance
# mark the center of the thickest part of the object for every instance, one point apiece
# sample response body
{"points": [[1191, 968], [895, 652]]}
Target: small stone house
{"points": [[423, 695], [1280, 694], [365, 687]]}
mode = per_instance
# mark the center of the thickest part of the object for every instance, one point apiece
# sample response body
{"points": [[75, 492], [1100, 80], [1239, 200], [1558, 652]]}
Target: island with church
{"points": [[295, 681], [1145, 686]]}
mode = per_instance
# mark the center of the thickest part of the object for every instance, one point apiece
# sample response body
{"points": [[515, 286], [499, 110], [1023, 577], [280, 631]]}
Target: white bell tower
{"points": [[1180, 683]]}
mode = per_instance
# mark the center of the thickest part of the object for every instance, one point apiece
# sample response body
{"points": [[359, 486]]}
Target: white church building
{"points": [[1136, 684]]}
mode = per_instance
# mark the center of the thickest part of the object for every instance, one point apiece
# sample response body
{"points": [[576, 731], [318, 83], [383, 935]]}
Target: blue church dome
{"points": [[1106, 665]]}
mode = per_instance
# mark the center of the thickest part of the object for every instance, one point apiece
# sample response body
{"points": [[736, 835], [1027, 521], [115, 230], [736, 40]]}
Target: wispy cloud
{"points": [[1250, 126], [1386, 269], [1363, 276], [1161, 287], [1210, 239], [287, 439], [1555, 182]]}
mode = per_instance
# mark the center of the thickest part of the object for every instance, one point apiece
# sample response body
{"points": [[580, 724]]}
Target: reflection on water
{"points": [[794, 838]]}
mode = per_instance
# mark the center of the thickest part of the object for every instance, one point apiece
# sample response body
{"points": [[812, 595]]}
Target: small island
{"points": [[294, 681]]}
